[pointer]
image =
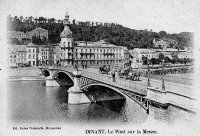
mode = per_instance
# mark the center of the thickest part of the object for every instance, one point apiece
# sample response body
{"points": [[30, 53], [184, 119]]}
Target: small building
{"points": [[31, 54], [38, 32], [12, 57], [17, 55]]}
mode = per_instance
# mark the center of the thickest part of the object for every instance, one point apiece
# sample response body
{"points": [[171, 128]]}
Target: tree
{"points": [[144, 59], [74, 21], [167, 59], [160, 56], [153, 61], [162, 34]]}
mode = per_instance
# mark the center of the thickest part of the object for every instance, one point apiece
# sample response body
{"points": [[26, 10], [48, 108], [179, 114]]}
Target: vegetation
{"points": [[174, 60], [114, 33]]}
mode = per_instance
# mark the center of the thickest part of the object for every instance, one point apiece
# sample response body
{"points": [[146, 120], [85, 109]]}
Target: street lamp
{"points": [[148, 81], [163, 82]]}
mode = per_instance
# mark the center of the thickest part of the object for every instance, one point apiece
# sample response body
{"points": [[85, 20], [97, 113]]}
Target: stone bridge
{"points": [[81, 80]]}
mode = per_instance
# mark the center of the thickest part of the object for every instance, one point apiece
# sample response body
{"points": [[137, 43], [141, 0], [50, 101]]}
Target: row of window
{"points": [[97, 50], [64, 44], [33, 50], [44, 58], [12, 60], [21, 59], [92, 62], [99, 56], [150, 56], [12, 56], [44, 53], [29, 56]]}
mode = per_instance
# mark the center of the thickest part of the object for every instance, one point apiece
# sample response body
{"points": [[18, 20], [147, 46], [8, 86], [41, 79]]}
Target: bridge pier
{"points": [[50, 81], [75, 94]]}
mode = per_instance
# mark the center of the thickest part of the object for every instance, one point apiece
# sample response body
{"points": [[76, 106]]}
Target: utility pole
{"points": [[148, 82], [163, 82]]}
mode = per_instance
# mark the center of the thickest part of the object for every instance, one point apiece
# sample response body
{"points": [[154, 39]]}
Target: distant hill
{"points": [[115, 34]]}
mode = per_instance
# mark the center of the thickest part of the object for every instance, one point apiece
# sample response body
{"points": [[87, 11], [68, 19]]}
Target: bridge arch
{"points": [[64, 73], [103, 85], [45, 72]]}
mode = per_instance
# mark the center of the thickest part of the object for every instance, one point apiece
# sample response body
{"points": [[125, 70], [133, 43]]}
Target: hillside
{"points": [[116, 34]]}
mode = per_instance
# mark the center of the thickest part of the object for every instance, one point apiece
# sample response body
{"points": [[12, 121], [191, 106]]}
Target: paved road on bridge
{"points": [[185, 90]]}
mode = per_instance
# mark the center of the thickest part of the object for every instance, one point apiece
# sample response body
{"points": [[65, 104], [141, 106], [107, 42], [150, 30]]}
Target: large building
{"points": [[20, 36], [99, 53], [91, 53]]}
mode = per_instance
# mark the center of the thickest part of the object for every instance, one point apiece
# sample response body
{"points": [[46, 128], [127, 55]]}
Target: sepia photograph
{"points": [[100, 67]]}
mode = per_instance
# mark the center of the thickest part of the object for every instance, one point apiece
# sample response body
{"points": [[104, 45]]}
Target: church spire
{"points": [[66, 20]]}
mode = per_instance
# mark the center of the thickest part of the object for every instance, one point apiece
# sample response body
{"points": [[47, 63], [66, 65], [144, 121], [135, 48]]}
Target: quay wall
{"points": [[27, 73]]}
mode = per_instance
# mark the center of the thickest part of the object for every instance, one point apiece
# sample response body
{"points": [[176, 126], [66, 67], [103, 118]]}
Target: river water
{"points": [[31, 101]]}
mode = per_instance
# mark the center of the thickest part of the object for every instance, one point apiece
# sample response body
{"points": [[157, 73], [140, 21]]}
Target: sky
{"points": [[172, 16]]}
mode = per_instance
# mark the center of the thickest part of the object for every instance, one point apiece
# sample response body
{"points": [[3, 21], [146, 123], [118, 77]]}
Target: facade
{"points": [[38, 32], [164, 43], [43, 55], [17, 55], [31, 54], [185, 54], [46, 55], [16, 35], [66, 44], [98, 53], [12, 58]]}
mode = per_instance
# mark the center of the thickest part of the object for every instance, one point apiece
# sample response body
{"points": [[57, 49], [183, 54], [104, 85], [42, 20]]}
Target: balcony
{"points": [[66, 47]]}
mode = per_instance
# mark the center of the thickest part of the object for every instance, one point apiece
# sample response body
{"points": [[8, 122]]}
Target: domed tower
{"points": [[66, 43]]}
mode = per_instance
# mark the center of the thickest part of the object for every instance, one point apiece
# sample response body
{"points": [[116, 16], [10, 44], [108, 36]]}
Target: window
{"points": [[68, 44], [14, 56], [33, 62], [33, 55], [10, 56], [29, 56], [29, 50], [33, 50]]}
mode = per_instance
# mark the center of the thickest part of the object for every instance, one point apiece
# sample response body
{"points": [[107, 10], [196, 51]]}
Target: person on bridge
{"points": [[57, 63], [113, 76], [85, 65]]}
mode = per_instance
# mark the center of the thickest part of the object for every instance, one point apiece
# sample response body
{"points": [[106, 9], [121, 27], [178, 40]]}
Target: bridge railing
{"points": [[168, 78], [120, 83]]}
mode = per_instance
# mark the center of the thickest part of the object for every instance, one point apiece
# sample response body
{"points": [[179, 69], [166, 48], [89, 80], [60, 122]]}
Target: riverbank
{"points": [[27, 73]]}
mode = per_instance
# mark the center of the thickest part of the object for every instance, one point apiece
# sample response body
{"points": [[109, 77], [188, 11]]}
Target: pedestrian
{"points": [[57, 63], [76, 66], [113, 76], [85, 65]]}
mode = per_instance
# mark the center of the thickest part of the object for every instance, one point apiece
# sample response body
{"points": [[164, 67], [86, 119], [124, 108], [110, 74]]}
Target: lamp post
{"points": [[163, 82], [148, 81]]}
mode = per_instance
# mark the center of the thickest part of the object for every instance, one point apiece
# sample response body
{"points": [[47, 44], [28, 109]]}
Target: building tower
{"points": [[66, 43]]}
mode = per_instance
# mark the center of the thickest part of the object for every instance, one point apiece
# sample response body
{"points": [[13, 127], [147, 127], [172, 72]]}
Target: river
{"points": [[31, 101]]}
